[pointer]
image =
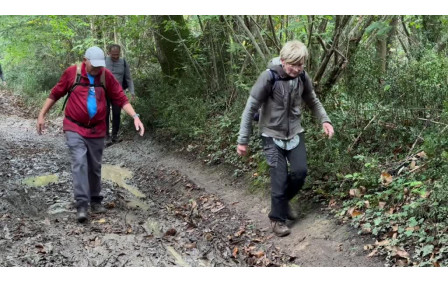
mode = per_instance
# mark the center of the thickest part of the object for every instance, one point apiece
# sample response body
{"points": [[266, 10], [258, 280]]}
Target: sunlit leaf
{"points": [[386, 178]]}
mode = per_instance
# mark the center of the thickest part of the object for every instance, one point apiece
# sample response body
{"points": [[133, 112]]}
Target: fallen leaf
{"points": [[386, 178], [363, 189], [353, 212], [412, 165], [102, 220], [235, 252], [367, 204], [368, 247], [354, 193], [436, 264], [382, 243], [332, 203], [214, 210], [416, 228], [373, 253], [426, 195], [422, 155], [381, 204], [259, 254], [395, 227], [239, 233], [171, 232], [190, 246], [401, 252], [402, 263], [255, 174]]}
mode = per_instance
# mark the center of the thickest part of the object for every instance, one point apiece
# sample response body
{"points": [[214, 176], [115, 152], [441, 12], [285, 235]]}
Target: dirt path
{"points": [[164, 210]]}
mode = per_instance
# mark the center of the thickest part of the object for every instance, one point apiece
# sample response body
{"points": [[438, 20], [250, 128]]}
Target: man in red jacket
{"points": [[85, 124]]}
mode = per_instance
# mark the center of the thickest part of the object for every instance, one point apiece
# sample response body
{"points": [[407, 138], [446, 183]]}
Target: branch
{"points": [[251, 36], [359, 136], [271, 25]]}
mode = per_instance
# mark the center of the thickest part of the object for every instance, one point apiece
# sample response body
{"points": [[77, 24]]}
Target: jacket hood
{"points": [[276, 65]]}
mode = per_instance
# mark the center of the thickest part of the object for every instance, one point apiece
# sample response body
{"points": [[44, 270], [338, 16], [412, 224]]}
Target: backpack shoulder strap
{"points": [[103, 79], [76, 81]]}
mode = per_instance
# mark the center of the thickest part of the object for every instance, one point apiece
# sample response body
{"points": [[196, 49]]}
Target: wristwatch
{"points": [[135, 115]]}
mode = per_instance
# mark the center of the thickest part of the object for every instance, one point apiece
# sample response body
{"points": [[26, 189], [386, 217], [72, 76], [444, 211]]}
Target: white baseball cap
{"points": [[96, 56]]}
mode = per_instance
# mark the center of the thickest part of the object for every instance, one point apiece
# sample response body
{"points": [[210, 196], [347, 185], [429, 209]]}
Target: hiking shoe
{"points": [[108, 141], [280, 229], [292, 214], [97, 208], [115, 139], [81, 214]]}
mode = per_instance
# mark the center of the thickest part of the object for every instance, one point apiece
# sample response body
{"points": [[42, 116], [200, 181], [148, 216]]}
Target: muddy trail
{"points": [[164, 209]]}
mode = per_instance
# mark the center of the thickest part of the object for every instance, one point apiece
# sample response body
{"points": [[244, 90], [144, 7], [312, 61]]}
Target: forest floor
{"points": [[164, 209]]}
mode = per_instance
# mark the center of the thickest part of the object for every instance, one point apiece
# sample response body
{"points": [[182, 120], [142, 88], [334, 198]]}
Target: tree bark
{"points": [[251, 37]]}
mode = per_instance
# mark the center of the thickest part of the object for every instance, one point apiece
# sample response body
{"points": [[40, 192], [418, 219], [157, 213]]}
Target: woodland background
{"points": [[382, 79]]}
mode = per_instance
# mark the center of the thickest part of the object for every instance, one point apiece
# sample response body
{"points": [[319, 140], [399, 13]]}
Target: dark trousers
{"points": [[116, 112], [285, 183], [86, 155]]}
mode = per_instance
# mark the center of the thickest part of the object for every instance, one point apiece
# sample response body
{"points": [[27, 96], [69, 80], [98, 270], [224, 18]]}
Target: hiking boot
{"points": [[108, 141], [115, 139], [97, 208], [81, 214], [292, 214], [280, 229]]}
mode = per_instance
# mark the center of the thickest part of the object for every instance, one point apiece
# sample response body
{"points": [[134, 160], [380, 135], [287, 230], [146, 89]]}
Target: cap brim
{"points": [[98, 63]]}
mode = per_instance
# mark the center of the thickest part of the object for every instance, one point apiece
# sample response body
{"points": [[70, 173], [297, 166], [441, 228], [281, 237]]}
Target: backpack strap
{"points": [[76, 81]]}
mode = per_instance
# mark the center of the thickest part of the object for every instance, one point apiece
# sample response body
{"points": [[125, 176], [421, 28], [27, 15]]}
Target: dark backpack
{"points": [[76, 82], [274, 78]]}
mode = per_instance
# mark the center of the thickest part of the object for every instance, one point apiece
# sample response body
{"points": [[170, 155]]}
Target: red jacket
{"points": [[76, 107]]}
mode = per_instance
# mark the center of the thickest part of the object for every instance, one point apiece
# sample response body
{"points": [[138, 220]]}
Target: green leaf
{"points": [[412, 222], [426, 250]]}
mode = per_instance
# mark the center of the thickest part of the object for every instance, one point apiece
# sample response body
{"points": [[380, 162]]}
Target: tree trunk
{"points": [[169, 55]]}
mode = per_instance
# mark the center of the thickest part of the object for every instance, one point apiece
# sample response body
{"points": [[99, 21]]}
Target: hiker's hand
{"points": [[328, 129], [132, 98], [242, 149], [139, 126], [40, 124]]}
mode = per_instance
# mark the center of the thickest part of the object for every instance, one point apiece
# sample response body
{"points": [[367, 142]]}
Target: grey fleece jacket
{"points": [[280, 106], [119, 71]]}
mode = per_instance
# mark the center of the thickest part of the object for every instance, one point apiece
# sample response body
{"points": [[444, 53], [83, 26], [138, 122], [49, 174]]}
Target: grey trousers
{"points": [[285, 182], [86, 155]]}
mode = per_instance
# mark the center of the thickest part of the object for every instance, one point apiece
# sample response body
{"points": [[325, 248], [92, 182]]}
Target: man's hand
{"points": [[132, 98], [40, 124], [328, 129], [139, 126], [242, 149]]}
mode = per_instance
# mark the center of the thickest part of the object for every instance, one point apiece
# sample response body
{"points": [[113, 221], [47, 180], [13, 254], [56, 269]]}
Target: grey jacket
{"points": [[119, 71], [280, 105]]}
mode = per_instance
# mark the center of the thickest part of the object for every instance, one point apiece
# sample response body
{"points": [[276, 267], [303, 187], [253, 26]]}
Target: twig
{"points": [[359, 136], [432, 121], [416, 140]]}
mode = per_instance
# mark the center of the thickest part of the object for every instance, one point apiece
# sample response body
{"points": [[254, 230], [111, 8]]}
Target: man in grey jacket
{"points": [[120, 68], [280, 91]]}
